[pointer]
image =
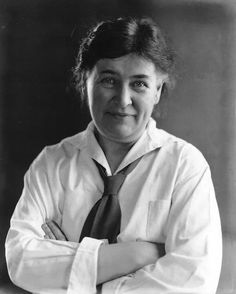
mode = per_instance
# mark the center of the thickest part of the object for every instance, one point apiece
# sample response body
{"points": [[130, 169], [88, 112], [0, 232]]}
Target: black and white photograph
{"points": [[118, 147]]}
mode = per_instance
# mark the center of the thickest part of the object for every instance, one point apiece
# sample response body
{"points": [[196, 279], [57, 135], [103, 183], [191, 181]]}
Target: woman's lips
{"points": [[120, 114]]}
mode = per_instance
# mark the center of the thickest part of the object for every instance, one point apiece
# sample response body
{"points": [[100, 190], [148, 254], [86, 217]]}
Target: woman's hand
{"points": [[53, 231], [148, 252]]}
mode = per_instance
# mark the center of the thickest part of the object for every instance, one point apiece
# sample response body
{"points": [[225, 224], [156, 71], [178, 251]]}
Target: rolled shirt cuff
{"points": [[83, 276]]}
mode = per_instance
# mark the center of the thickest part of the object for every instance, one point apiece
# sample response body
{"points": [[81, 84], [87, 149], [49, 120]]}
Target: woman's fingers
{"points": [[56, 230], [52, 229], [48, 233]]}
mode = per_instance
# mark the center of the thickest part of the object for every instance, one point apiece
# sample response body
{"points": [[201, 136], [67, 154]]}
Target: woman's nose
{"points": [[123, 96]]}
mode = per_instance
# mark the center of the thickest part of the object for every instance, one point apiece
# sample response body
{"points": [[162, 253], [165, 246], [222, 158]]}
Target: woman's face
{"points": [[121, 95]]}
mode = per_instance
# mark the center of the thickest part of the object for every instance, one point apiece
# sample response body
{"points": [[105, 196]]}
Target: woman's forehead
{"points": [[127, 65]]}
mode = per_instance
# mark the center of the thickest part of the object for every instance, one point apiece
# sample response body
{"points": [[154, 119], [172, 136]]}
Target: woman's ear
{"points": [[158, 93]]}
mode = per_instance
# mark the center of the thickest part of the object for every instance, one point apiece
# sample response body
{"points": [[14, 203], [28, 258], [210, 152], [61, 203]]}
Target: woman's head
{"points": [[123, 67], [123, 36]]}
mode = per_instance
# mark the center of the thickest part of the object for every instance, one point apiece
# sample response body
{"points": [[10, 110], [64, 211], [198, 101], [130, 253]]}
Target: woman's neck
{"points": [[114, 151]]}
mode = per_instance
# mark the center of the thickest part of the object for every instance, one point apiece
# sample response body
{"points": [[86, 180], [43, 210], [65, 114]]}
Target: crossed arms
{"points": [[118, 259]]}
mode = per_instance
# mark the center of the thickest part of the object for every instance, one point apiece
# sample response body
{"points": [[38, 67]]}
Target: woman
{"points": [[166, 199]]}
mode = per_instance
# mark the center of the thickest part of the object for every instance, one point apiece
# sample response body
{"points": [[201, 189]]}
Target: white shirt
{"points": [[168, 198]]}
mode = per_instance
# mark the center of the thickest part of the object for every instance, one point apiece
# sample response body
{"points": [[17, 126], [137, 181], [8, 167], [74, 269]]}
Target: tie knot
{"points": [[113, 183]]}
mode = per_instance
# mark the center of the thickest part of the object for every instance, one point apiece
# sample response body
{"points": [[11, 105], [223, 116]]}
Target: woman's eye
{"points": [[108, 82], [140, 84]]}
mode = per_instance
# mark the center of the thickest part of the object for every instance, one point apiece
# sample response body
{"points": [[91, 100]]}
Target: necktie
{"points": [[103, 221]]}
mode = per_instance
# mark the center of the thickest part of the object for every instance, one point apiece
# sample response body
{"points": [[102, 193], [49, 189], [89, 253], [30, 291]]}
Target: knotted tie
{"points": [[103, 221]]}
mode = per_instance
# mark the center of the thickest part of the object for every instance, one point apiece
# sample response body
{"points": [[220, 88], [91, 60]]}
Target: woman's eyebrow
{"points": [[140, 76], [137, 76], [108, 71]]}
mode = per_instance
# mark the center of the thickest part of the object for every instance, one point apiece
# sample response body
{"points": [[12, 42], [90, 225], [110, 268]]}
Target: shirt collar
{"points": [[152, 138]]}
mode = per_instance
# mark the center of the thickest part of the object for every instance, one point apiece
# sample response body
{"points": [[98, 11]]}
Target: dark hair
{"points": [[122, 36]]}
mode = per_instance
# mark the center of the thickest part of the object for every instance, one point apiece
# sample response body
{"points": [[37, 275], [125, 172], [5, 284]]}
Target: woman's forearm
{"points": [[115, 260], [120, 259]]}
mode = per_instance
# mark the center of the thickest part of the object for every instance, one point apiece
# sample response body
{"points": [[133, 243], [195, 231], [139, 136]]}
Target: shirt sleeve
{"points": [[40, 265], [193, 244]]}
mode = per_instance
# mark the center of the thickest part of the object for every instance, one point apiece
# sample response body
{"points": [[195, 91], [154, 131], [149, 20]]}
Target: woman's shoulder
{"points": [[181, 149], [65, 149]]}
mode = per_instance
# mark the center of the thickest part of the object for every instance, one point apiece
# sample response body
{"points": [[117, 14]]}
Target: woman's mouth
{"points": [[120, 114]]}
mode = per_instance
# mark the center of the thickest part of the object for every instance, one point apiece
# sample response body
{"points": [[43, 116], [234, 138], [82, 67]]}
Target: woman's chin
{"points": [[119, 135]]}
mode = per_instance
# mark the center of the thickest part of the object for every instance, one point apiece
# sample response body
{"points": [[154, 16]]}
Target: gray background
{"points": [[38, 44]]}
